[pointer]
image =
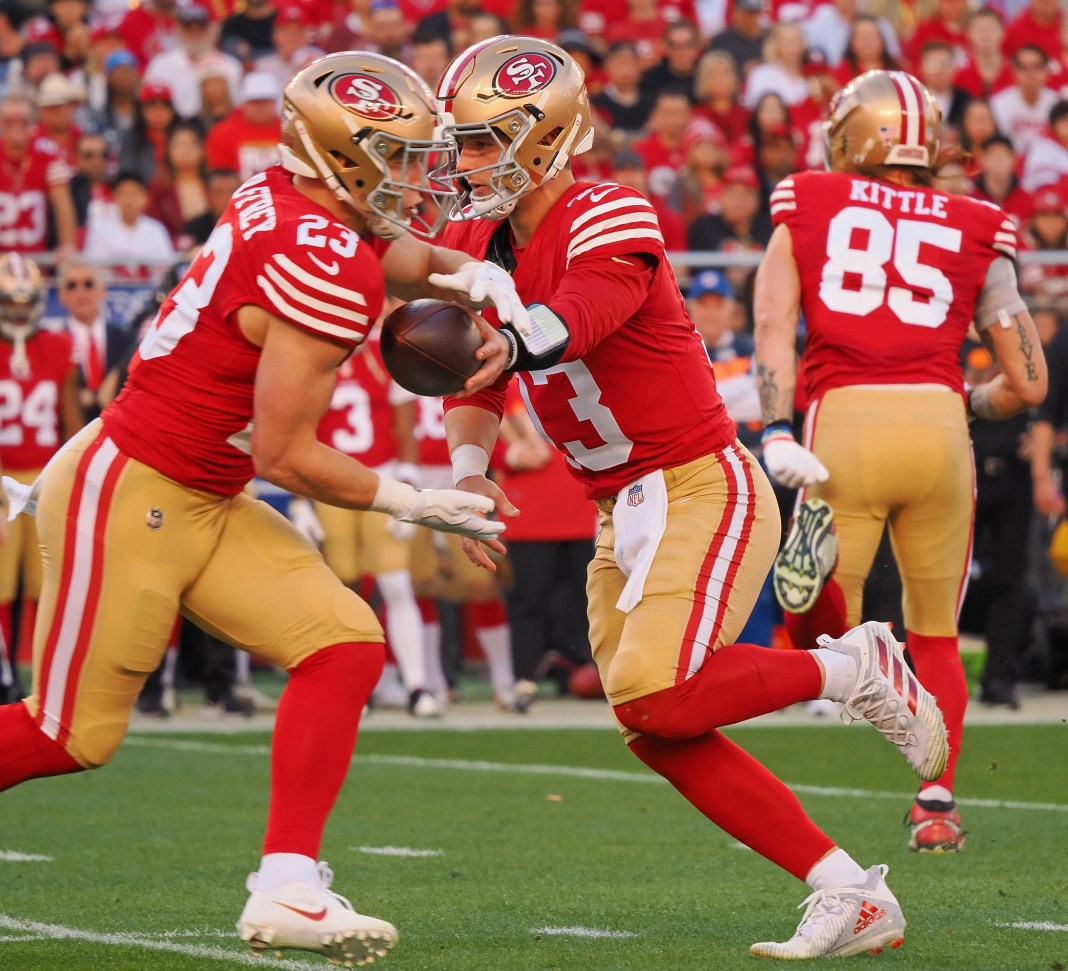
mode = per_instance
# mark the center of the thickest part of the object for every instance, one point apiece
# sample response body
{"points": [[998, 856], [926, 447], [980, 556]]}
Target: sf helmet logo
{"points": [[524, 74], [367, 96]]}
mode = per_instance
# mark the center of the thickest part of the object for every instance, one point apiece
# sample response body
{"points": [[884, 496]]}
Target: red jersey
{"points": [[29, 403], [1026, 30], [634, 391], [969, 78], [889, 276], [24, 185], [360, 420], [430, 432], [235, 143], [186, 409]]}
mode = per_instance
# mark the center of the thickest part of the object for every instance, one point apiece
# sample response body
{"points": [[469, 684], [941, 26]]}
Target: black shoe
{"points": [[10, 693], [998, 692], [230, 704], [152, 707]]}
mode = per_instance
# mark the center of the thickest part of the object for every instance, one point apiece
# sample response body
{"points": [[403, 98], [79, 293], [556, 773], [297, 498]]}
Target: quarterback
{"points": [[615, 377], [889, 274], [142, 515]]}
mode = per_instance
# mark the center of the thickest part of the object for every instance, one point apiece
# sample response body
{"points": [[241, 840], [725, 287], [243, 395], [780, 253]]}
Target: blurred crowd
{"points": [[126, 127]]}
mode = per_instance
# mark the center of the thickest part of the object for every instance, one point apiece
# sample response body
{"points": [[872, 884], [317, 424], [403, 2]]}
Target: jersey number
{"points": [[356, 438], [861, 242], [36, 412]]}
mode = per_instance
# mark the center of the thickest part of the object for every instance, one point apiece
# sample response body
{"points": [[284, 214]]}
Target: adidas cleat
{"points": [[888, 695], [935, 827], [843, 922], [305, 917], [808, 557]]}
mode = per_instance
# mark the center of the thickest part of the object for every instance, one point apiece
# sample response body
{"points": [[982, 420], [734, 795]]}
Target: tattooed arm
{"points": [[1023, 380], [777, 310]]}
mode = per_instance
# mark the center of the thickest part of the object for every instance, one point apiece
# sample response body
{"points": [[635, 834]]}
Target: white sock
{"points": [[935, 794], [496, 644], [837, 869], [242, 667], [839, 674], [278, 868], [436, 683], [404, 625]]}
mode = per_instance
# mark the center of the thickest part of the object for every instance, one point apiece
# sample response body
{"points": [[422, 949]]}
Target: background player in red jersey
{"points": [[889, 274], [38, 411], [143, 514], [615, 376]]}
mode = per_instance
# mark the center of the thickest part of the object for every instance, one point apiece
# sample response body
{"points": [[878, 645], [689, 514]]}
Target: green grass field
{"points": [[148, 856]]}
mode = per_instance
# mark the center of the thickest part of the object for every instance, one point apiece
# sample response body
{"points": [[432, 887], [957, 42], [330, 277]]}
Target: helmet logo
{"points": [[366, 96], [523, 74]]}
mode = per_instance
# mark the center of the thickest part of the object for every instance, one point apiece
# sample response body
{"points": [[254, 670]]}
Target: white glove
{"points": [[302, 516], [791, 464], [483, 284], [20, 498], [446, 510]]}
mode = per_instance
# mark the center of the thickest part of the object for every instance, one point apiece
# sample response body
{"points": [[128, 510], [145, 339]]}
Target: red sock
{"points": [[314, 736], [26, 752], [5, 629], [939, 668], [488, 613], [740, 796], [27, 622], [736, 683], [428, 609], [826, 616]]}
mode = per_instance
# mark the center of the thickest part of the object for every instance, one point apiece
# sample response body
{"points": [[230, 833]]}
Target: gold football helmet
{"points": [[22, 296], [882, 118], [529, 97], [367, 126]]}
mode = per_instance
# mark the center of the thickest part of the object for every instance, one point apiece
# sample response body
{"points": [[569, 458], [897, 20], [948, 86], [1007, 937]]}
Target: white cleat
{"points": [[859, 919], [807, 558], [301, 916], [423, 704], [890, 696]]}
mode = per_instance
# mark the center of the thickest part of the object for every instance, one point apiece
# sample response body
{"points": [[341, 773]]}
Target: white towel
{"points": [[639, 519]]}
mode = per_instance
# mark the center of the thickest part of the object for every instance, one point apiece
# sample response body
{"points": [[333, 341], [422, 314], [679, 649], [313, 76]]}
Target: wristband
{"points": [[468, 460], [543, 346], [777, 429]]}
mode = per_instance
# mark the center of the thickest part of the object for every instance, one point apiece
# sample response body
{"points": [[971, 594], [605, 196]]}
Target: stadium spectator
{"points": [[1046, 161], [701, 178], [988, 70], [936, 72], [781, 71], [621, 101], [777, 156], [178, 192], [182, 68], [977, 125], [57, 101], [828, 28], [69, 17], [453, 23], [865, 50], [1038, 24], [100, 342], [744, 38], [291, 37], [1048, 230], [770, 113], [663, 149], [148, 29], [116, 111], [216, 97], [248, 34], [585, 53], [642, 22], [382, 29], [717, 87], [247, 141], [123, 237], [89, 187], [628, 169], [145, 142], [428, 57], [1049, 460], [34, 187], [1022, 111], [544, 18], [221, 185], [998, 183], [677, 69], [485, 25], [11, 43], [947, 26], [39, 60]]}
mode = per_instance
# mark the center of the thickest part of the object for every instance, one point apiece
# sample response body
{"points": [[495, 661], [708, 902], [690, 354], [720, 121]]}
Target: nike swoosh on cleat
{"points": [[311, 915], [332, 268]]}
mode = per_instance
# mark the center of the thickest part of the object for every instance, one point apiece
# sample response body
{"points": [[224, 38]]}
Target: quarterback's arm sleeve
{"points": [[999, 294], [598, 294]]}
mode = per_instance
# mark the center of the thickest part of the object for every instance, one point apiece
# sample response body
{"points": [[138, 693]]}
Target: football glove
{"points": [[791, 464], [446, 510], [302, 516], [484, 284]]}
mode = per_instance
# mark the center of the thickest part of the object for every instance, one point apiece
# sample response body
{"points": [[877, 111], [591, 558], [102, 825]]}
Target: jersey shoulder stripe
{"points": [[625, 216], [296, 295]]}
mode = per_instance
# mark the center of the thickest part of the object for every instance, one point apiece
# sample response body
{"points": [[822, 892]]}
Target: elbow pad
{"points": [[543, 347]]}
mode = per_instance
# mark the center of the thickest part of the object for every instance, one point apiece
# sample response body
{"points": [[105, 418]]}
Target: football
{"points": [[585, 682], [429, 346]]}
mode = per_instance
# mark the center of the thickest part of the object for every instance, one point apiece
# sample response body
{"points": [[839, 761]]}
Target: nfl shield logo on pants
{"points": [[635, 497]]}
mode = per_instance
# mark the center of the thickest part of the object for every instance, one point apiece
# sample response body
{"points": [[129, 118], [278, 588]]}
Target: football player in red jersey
{"points": [[142, 515], [39, 411], [889, 273], [616, 377]]}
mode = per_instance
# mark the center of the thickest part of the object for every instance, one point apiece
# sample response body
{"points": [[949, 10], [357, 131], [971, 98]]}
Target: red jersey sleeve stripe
{"points": [[313, 303], [608, 238], [629, 202], [297, 316], [318, 283], [617, 222]]}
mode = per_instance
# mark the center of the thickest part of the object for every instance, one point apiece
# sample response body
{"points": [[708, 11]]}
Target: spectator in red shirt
{"points": [[988, 70], [644, 26], [947, 26], [544, 18], [148, 29], [663, 150], [57, 100], [144, 145], [291, 35], [701, 179], [997, 181], [247, 141], [1038, 24], [865, 51], [718, 89], [179, 191], [628, 169]]}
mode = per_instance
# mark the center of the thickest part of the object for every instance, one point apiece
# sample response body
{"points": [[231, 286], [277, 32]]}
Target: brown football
{"points": [[429, 346]]}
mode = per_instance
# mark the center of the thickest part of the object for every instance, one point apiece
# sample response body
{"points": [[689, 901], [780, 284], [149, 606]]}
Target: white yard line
{"points": [[570, 771], [580, 932], [396, 851], [36, 931], [1035, 925], [14, 856]]}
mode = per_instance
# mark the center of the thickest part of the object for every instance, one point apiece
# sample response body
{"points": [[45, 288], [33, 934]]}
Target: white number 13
{"points": [[869, 263]]}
